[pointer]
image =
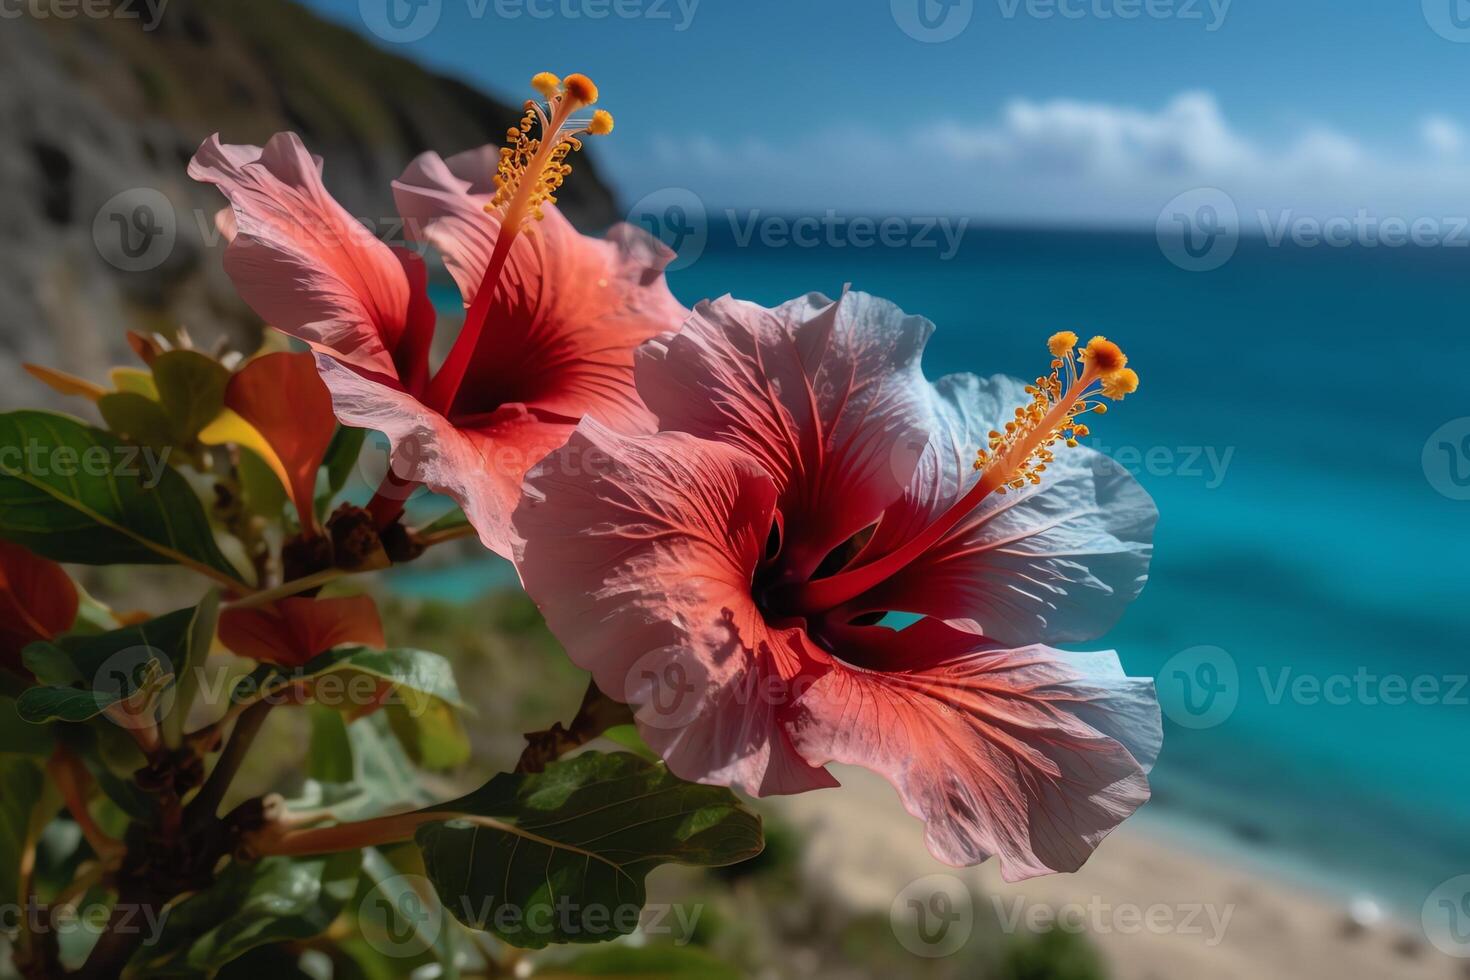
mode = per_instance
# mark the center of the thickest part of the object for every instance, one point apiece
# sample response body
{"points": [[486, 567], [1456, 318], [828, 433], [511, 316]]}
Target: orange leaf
{"points": [[292, 631], [283, 398], [66, 384], [37, 601]]}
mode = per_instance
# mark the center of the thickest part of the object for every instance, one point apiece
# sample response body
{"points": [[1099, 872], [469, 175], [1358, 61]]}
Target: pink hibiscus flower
{"points": [[552, 317], [728, 574]]}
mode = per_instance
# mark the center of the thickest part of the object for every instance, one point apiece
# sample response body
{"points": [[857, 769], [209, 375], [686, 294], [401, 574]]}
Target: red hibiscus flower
{"points": [[731, 575], [552, 317]]}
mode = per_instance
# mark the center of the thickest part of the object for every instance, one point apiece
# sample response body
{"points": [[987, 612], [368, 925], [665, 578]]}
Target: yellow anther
{"points": [[1019, 455], [601, 124], [580, 90], [1104, 355], [1061, 344], [1120, 383], [532, 169]]}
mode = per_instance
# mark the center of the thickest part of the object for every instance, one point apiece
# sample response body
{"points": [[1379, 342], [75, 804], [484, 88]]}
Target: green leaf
{"points": [[275, 900], [561, 856], [411, 672], [630, 739], [264, 494], [40, 705], [400, 916], [82, 676], [650, 962], [74, 493], [329, 756], [342, 454], [137, 418], [431, 733], [189, 666], [191, 388], [381, 778], [425, 702]]}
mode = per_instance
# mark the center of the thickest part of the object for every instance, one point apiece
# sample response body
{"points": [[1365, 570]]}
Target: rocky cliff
{"points": [[100, 228]]}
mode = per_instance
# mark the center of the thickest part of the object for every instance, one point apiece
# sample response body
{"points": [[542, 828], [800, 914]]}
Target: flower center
{"points": [[531, 171], [1014, 457]]}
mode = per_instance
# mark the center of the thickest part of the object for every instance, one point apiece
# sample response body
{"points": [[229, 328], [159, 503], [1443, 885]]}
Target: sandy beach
{"points": [[1154, 908]]}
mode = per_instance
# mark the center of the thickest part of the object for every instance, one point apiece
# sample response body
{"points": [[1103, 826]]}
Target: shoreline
{"points": [[1210, 915]]}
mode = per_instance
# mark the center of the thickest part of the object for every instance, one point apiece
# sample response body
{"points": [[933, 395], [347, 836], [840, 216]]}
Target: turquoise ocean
{"points": [[1309, 600]]}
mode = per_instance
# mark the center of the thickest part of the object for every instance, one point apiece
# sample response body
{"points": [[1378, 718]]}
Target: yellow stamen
{"points": [[1105, 355], [533, 168], [1019, 455], [1124, 382], [579, 89], [1063, 343], [601, 124]]}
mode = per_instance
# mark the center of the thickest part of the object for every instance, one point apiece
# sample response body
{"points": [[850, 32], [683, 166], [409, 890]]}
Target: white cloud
{"points": [[1444, 137], [1063, 160]]}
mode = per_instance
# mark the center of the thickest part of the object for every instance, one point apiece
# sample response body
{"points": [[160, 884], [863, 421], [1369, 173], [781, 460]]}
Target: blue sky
{"points": [[1066, 111]]}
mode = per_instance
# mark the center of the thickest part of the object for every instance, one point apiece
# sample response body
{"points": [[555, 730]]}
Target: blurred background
{"points": [[1268, 204]]}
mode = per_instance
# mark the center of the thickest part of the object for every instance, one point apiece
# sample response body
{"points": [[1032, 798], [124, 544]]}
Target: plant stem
{"points": [[393, 829], [296, 586], [205, 806]]}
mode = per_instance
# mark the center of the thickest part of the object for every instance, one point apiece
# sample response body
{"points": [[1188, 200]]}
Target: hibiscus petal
{"points": [[1054, 563], [639, 551], [300, 260], [571, 308], [37, 601], [292, 631], [829, 397], [479, 463], [1032, 755]]}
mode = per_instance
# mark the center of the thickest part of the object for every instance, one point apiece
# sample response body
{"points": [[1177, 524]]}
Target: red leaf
{"points": [[290, 632], [37, 601], [283, 398]]}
